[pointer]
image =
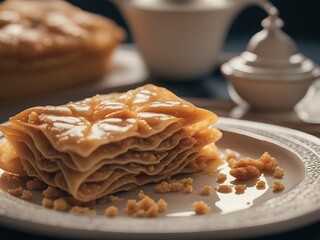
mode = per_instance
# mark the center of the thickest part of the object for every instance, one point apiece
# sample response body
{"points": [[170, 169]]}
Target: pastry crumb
{"points": [[201, 208], [47, 203], [16, 192], [60, 205], [82, 210], [250, 168], [26, 195], [269, 162], [240, 188], [221, 178], [113, 198], [145, 207], [277, 186], [52, 193], [245, 172], [278, 172], [206, 190], [111, 211], [162, 205], [188, 189], [35, 184], [141, 194], [224, 189], [261, 185], [232, 162], [173, 185]]}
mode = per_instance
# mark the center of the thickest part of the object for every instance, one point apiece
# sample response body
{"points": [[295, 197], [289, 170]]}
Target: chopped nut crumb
{"points": [[46, 202], [36, 184], [113, 198], [141, 194], [111, 211], [250, 168], [82, 210], [278, 172], [240, 188], [245, 173], [224, 189], [221, 178], [60, 205], [188, 189], [269, 163], [261, 185], [145, 207], [109, 198], [16, 192], [162, 205], [26, 195], [52, 193], [232, 162], [201, 207], [173, 185], [277, 186], [206, 190]]}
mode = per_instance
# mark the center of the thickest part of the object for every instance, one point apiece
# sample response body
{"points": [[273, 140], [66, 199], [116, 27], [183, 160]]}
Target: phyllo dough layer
{"points": [[110, 143]]}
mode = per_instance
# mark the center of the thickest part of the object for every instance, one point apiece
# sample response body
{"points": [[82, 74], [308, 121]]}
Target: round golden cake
{"points": [[52, 45]]}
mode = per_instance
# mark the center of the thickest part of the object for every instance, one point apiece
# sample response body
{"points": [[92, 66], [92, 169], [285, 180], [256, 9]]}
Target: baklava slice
{"points": [[52, 45], [111, 143]]}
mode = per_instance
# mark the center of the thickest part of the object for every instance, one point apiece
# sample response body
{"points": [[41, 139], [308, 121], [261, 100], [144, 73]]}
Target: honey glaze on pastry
{"points": [[50, 45], [111, 143]]}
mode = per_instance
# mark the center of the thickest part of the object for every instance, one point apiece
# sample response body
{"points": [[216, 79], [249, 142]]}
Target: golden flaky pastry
{"points": [[111, 143], [50, 45]]}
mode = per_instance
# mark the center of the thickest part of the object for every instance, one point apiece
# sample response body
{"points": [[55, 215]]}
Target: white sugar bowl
{"points": [[271, 74]]}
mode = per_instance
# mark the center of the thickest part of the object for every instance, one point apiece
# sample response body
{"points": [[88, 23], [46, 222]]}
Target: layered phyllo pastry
{"points": [[51, 45], [111, 143]]}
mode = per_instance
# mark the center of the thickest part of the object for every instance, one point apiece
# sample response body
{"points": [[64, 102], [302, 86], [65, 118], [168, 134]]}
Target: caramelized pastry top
{"points": [[37, 28], [83, 126]]}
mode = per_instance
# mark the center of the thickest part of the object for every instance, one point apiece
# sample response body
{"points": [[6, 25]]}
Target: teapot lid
{"points": [[180, 5], [272, 54]]}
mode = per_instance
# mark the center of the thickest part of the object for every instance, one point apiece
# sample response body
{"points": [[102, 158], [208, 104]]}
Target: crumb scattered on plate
{"points": [[111, 211], [240, 188], [261, 185], [224, 188], [277, 186], [145, 207], [278, 173], [174, 185], [206, 190], [201, 208], [221, 178]]}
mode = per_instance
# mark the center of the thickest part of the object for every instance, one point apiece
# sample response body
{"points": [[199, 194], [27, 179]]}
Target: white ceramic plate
{"points": [[263, 212]]}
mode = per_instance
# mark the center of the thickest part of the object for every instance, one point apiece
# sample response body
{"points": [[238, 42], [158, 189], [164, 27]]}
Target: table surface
{"points": [[211, 92]]}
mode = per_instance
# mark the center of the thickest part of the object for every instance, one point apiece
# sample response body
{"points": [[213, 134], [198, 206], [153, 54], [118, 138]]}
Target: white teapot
{"points": [[181, 39]]}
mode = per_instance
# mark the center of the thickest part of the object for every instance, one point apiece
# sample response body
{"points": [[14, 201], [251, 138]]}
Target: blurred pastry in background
{"points": [[51, 45]]}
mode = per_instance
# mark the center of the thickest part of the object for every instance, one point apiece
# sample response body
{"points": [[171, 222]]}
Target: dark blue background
{"points": [[302, 17]]}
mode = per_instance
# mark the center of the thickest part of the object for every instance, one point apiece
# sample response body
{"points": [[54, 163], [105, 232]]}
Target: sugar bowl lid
{"points": [[272, 55]]}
